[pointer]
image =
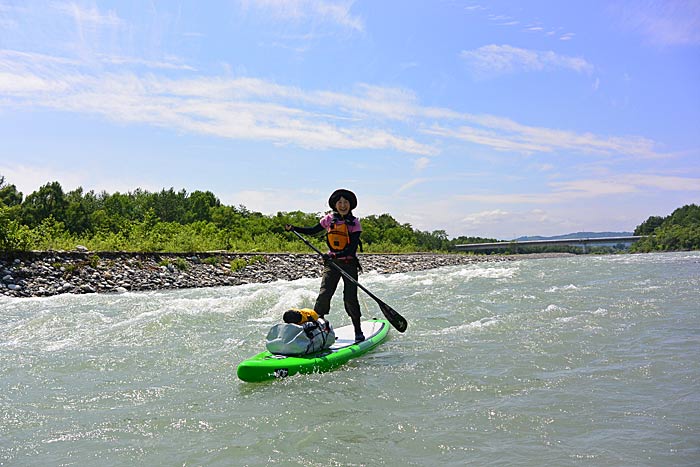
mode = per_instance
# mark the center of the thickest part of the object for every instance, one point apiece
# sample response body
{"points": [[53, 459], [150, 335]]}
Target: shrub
{"points": [[238, 264]]}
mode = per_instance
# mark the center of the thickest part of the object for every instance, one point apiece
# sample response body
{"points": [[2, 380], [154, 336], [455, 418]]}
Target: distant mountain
{"points": [[576, 235]]}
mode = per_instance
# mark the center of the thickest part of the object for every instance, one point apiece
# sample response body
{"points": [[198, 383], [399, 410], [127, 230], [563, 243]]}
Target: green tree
{"points": [[648, 226], [226, 217], [463, 240], [80, 211], [298, 218], [13, 235], [199, 206], [679, 231], [50, 234], [432, 241], [9, 196], [169, 205], [375, 228], [685, 216], [49, 200]]}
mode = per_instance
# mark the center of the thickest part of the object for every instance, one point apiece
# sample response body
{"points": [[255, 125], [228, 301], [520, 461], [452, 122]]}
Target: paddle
{"points": [[396, 320]]}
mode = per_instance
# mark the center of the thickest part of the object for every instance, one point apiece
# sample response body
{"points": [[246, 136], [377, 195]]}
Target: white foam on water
{"points": [[441, 276], [55, 325], [554, 309], [487, 273], [73, 321], [472, 326], [555, 288]]}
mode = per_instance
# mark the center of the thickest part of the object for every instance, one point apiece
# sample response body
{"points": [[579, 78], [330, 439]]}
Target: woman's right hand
{"points": [[289, 227]]}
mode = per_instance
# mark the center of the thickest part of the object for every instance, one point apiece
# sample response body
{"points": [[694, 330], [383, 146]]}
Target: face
{"points": [[342, 206]]}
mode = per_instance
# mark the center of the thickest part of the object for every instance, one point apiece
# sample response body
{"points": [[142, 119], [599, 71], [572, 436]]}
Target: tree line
{"points": [[177, 221], [676, 232]]}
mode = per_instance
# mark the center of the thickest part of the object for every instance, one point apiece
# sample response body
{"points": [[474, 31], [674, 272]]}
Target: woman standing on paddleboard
{"points": [[343, 237]]}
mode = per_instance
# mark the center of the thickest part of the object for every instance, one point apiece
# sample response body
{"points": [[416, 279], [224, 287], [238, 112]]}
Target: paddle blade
{"points": [[396, 320]]}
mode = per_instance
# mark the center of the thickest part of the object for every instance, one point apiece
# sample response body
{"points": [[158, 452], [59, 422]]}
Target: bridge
{"points": [[581, 242]]}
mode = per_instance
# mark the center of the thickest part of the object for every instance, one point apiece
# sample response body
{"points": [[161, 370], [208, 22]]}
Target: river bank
{"points": [[41, 274]]}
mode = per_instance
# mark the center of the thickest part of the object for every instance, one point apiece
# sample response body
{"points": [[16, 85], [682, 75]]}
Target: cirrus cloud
{"points": [[248, 108], [503, 59], [564, 191]]}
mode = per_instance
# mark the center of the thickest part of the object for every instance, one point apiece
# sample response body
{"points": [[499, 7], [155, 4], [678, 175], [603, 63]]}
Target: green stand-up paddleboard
{"points": [[266, 366]]}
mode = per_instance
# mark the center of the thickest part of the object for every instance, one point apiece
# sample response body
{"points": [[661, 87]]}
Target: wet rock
{"points": [[51, 273], [87, 288]]}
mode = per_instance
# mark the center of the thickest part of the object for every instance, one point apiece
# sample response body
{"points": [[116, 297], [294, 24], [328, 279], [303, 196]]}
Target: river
{"points": [[582, 360]]}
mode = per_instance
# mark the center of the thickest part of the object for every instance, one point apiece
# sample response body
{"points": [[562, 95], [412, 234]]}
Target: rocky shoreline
{"points": [[41, 274]]}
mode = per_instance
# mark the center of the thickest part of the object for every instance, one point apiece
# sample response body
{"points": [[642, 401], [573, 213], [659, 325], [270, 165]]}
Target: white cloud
{"points": [[663, 182], [421, 163], [567, 36], [523, 24], [566, 191], [510, 224], [367, 117], [411, 184], [508, 198], [474, 7], [458, 217], [506, 135], [502, 59], [275, 200], [624, 183], [87, 16], [390, 103], [591, 188], [20, 83], [485, 217], [29, 178], [315, 11], [164, 65], [240, 109]]}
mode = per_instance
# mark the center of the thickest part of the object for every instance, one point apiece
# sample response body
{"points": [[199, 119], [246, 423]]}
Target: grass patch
{"points": [[180, 264], [238, 264]]}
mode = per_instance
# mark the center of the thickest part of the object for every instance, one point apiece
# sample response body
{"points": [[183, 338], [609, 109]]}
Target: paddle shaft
{"points": [[392, 315], [337, 268]]}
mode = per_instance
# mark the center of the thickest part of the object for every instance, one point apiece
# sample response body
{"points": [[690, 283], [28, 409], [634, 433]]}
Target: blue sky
{"points": [[496, 119]]}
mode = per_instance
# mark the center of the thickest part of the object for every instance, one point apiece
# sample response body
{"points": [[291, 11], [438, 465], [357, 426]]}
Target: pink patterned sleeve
{"points": [[326, 221], [355, 228]]}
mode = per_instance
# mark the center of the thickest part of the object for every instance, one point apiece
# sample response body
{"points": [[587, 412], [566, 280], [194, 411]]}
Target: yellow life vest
{"points": [[300, 315], [338, 237]]}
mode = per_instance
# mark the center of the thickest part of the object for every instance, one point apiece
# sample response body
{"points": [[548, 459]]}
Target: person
{"points": [[343, 232]]}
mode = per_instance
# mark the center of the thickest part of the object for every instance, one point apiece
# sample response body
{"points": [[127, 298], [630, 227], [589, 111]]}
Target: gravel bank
{"points": [[40, 274]]}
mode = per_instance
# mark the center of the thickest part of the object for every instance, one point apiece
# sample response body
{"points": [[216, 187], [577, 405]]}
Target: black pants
{"points": [[329, 283]]}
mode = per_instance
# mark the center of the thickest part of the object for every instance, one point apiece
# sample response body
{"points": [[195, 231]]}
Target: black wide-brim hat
{"points": [[343, 193]]}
